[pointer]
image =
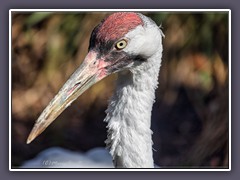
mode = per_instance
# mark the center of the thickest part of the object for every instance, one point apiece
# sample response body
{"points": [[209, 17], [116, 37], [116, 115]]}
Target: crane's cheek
{"points": [[102, 72]]}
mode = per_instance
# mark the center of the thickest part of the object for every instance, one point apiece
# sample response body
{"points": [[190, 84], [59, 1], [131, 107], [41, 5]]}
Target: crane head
{"points": [[121, 41]]}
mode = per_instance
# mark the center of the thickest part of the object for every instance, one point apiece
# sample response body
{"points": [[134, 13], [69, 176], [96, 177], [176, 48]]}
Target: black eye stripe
{"points": [[102, 48], [139, 58], [109, 50]]}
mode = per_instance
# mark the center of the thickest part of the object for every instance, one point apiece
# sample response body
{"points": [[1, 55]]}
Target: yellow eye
{"points": [[121, 44]]}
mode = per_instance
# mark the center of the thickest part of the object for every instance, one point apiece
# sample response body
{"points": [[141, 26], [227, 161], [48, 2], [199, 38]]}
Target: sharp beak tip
{"points": [[33, 134], [28, 141], [82, 74], [30, 138]]}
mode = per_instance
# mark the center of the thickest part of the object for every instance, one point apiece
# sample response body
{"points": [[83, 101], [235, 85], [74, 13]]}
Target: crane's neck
{"points": [[129, 115]]}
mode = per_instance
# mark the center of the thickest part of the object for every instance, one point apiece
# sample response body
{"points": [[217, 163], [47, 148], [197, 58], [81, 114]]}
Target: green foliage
{"points": [[201, 29], [70, 27], [37, 17]]}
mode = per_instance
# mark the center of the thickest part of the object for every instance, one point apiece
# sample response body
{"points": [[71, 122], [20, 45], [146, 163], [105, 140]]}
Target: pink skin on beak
{"points": [[90, 72], [100, 64]]}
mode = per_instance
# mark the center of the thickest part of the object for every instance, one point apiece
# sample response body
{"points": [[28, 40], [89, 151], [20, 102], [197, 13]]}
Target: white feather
{"points": [[129, 112]]}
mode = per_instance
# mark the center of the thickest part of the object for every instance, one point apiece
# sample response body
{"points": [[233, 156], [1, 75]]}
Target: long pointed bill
{"points": [[91, 71]]}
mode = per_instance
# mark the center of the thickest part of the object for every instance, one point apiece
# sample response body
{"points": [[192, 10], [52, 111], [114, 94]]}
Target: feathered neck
{"points": [[129, 115]]}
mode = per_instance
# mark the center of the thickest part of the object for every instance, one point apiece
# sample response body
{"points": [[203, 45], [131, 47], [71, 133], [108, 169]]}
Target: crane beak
{"points": [[91, 71]]}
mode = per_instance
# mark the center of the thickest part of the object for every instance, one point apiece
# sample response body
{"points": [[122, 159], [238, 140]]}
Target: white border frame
{"points": [[114, 10]]}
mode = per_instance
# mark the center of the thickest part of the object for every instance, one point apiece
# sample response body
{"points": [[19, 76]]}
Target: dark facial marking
{"points": [[105, 36], [120, 60]]}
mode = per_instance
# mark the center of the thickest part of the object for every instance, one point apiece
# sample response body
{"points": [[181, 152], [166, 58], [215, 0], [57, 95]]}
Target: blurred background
{"points": [[190, 118]]}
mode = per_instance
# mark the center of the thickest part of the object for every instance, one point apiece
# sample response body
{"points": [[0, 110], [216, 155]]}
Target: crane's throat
{"points": [[129, 117]]}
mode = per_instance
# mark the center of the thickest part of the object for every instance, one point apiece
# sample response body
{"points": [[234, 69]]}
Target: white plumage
{"points": [[129, 111]]}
